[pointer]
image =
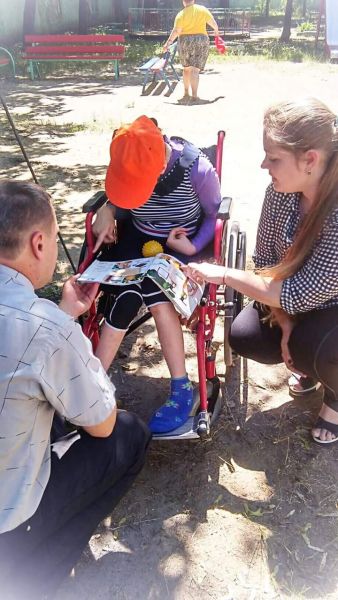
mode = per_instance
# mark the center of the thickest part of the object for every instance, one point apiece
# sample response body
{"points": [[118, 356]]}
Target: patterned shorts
{"points": [[193, 50]]}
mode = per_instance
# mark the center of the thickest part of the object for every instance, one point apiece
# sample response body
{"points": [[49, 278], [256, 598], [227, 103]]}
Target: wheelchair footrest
{"points": [[187, 431], [198, 424]]}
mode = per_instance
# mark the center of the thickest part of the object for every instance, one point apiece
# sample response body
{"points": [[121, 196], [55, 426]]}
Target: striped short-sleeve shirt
{"points": [[180, 208]]}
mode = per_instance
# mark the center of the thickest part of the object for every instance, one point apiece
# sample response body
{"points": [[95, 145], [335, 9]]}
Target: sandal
{"points": [[331, 427], [299, 385]]}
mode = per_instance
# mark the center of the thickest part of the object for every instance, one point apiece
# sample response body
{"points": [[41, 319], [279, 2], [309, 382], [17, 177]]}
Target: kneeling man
{"points": [[50, 506]]}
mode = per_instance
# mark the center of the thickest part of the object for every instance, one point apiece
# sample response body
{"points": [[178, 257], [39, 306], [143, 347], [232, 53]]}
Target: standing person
{"points": [[190, 27], [173, 194], [295, 314], [50, 506]]}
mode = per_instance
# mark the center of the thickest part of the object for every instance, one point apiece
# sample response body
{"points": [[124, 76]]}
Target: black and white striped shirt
{"points": [[315, 285], [192, 205], [181, 208]]}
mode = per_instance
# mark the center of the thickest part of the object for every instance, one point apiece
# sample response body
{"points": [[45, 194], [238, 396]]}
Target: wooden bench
{"points": [[6, 58], [69, 47], [157, 66]]}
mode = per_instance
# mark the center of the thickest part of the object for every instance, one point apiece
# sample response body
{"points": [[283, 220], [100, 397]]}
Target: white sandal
{"points": [[300, 385]]}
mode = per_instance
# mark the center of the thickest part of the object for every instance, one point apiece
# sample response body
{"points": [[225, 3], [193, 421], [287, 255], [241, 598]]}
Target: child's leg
{"points": [[177, 408], [171, 337], [110, 341], [118, 319]]}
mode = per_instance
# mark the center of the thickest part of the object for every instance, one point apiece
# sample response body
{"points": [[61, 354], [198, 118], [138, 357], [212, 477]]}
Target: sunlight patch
{"points": [[174, 566], [245, 483]]}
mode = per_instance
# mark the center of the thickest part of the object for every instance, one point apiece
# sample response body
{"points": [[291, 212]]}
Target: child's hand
{"points": [[104, 227], [178, 240]]}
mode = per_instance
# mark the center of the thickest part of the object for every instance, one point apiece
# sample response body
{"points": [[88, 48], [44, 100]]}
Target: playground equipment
{"points": [[332, 29], [328, 10]]}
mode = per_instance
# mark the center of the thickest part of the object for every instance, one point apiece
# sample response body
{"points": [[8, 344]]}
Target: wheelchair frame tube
{"points": [[201, 358], [90, 324], [219, 153]]}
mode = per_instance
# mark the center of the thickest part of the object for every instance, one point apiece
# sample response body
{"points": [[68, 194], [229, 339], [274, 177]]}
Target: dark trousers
{"points": [[313, 344], [84, 487]]}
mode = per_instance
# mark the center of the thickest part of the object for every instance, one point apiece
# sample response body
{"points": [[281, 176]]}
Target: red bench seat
{"points": [[38, 48]]}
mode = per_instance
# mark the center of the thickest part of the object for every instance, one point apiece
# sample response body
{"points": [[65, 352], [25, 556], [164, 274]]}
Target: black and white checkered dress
{"points": [[315, 285]]}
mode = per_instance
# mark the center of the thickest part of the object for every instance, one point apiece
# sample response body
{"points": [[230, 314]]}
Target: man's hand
{"points": [[104, 226], [178, 240], [205, 272], [77, 298]]}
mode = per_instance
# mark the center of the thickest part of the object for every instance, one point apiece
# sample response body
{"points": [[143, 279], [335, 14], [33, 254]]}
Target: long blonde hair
{"points": [[297, 127]]}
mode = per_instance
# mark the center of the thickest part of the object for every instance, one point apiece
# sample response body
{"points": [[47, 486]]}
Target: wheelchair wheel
{"points": [[224, 244], [240, 264], [233, 299]]}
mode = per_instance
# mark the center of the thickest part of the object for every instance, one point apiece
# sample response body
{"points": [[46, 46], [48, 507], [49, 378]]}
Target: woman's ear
{"points": [[311, 158]]}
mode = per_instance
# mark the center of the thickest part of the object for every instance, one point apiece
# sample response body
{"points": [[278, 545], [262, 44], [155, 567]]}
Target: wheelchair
{"points": [[229, 249]]}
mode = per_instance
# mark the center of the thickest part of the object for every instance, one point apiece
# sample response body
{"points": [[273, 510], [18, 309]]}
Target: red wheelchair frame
{"points": [[215, 300]]}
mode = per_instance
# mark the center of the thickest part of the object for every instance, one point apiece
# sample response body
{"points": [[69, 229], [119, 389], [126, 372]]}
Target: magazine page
{"points": [[184, 293], [122, 272]]}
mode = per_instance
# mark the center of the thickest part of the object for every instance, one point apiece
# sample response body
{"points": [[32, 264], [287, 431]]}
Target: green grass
{"points": [[295, 51]]}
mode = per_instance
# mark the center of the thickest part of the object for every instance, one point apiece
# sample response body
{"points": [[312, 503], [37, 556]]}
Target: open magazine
{"points": [[163, 269]]}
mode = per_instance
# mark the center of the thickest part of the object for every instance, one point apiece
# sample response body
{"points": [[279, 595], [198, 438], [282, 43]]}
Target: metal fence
{"points": [[152, 21]]}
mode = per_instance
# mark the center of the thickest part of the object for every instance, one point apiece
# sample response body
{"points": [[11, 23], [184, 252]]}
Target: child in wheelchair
{"points": [[172, 194]]}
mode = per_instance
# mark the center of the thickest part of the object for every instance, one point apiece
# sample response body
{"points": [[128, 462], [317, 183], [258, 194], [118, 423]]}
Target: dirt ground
{"points": [[251, 513]]}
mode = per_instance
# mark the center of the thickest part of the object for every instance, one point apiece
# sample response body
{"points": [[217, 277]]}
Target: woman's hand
{"points": [[77, 298], [287, 324], [104, 226], [205, 272], [285, 349], [178, 240]]}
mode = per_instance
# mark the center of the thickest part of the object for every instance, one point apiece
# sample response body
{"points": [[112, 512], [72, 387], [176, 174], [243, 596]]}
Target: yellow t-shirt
{"points": [[193, 20]]}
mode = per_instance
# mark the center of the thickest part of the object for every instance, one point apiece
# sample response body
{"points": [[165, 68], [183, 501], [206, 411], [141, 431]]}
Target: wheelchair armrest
{"points": [[224, 210], [95, 202]]}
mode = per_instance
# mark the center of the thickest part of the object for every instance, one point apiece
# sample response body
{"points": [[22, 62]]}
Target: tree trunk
{"points": [[286, 33], [304, 11], [267, 8], [29, 17], [84, 16]]}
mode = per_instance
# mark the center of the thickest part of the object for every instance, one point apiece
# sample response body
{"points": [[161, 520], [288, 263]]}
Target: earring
{"points": [[308, 172]]}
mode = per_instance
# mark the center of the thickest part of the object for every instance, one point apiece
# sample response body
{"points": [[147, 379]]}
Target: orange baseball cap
{"points": [[137, 159]]}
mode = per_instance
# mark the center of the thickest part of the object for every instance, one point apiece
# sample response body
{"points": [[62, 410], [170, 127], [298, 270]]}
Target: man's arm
{"points": [[76, 299], [72, 379], [103, 429]]}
